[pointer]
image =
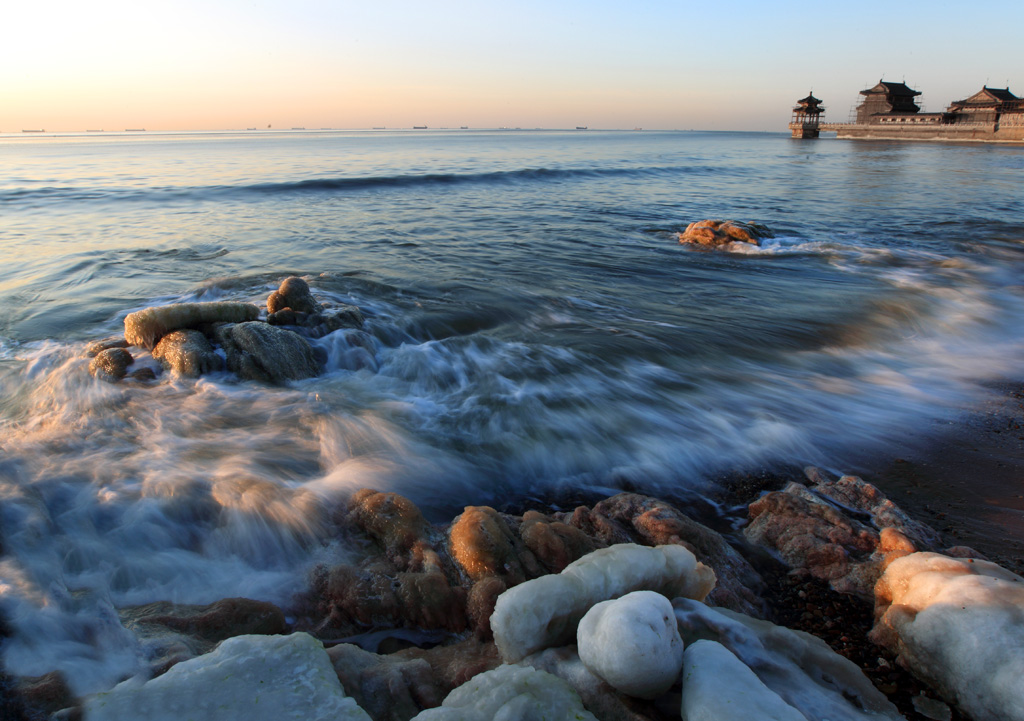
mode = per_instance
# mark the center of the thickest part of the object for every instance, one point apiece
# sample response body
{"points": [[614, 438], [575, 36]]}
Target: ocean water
{"points": [[534, 329]]}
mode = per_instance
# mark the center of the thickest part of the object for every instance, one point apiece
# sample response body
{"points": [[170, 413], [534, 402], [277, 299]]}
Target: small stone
{"points": [[931, 708]]}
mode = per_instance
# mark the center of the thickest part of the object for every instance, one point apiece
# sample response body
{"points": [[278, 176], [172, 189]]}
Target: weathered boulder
{"points": [[111, 364], [397, 526], [455, 664], [187, 353], [717, 686], [658, 523], [858, 495], [145, 327], [485, 543], [545, 611], [554, 543], [388, 688], [354, 598], [271, 678], [261, 352], [633, 643], [800, 668], [958, 624], [722, 232], [813, 535], [293, 293], [510, 693]]}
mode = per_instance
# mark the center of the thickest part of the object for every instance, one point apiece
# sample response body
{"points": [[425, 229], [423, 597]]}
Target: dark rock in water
{"points": [[45, 695], [261, 352], [480, 605], [111, 365], [386, 687], [142, 374], [721, 232], [177, 632], [348, 316], [96, 347], [188, 353], [293, 293]]}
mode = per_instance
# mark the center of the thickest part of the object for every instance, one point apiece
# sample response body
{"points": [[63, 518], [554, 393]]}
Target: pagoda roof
{"points": [[897, 89], [1003, 94], [988, 96], [809, 100]]}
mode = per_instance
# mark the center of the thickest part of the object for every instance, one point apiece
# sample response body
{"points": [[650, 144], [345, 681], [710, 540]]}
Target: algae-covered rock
{"points": [[188, 353], [958, 624], [721, 232], [398, 527], [633, 643], [545, 611], [145, 327], [387, 687], [293, 293], [511, 693], [256, 678], [484, 543], [555, 544], [262, 352], [111, 364]]}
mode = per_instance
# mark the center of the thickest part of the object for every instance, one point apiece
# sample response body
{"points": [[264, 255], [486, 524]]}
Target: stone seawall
{"points": [[956, 133]]}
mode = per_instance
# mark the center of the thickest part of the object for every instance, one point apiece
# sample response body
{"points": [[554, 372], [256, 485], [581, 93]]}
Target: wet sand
{"points": [[967, 481]]}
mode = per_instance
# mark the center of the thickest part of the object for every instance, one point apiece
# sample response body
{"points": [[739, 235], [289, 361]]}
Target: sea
{"points": [[534, 332]]}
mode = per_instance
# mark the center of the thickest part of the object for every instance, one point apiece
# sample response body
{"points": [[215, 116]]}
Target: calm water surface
{"points": [[536, 327]]}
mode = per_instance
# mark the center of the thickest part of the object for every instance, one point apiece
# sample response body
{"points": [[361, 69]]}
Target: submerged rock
{"points": [[800, 668], [145, 327], [293, 294], [633, 643], [958, 624], [111, 364], [97, 347], [261, 352], [545, 611], [721, 232], [258, 678], [510, 693], [187, 353]]}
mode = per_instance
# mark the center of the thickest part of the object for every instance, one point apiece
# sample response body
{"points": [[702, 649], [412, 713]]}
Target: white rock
{"points": [[802, 669], [717, 686], [633, 643], [545, 611], [510, 693], [255, 678], [958, 624]]}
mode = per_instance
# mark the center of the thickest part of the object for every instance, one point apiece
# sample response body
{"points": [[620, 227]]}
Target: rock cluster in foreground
{"points": [[607, 612], [193, 339]]}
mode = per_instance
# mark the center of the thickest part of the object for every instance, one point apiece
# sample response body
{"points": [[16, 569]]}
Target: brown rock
{"points": [[111, 364], [480, 605], [815, 536], [44, 694], [388, 688], [554, 543], [220, 620], [859, 495], [262, 352], [187, 353], [397, 526], [721, 232], [485, 543], [455, 664], [293, 293], [97, 347], [355, 599]]}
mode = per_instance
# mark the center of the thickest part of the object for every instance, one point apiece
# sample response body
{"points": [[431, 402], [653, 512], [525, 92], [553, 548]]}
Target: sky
{"points": [[730, 65]]}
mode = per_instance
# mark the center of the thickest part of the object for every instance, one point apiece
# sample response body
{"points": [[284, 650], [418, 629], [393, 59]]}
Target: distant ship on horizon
{"points": [[37, 130], [581, 127], [419, 127]]}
